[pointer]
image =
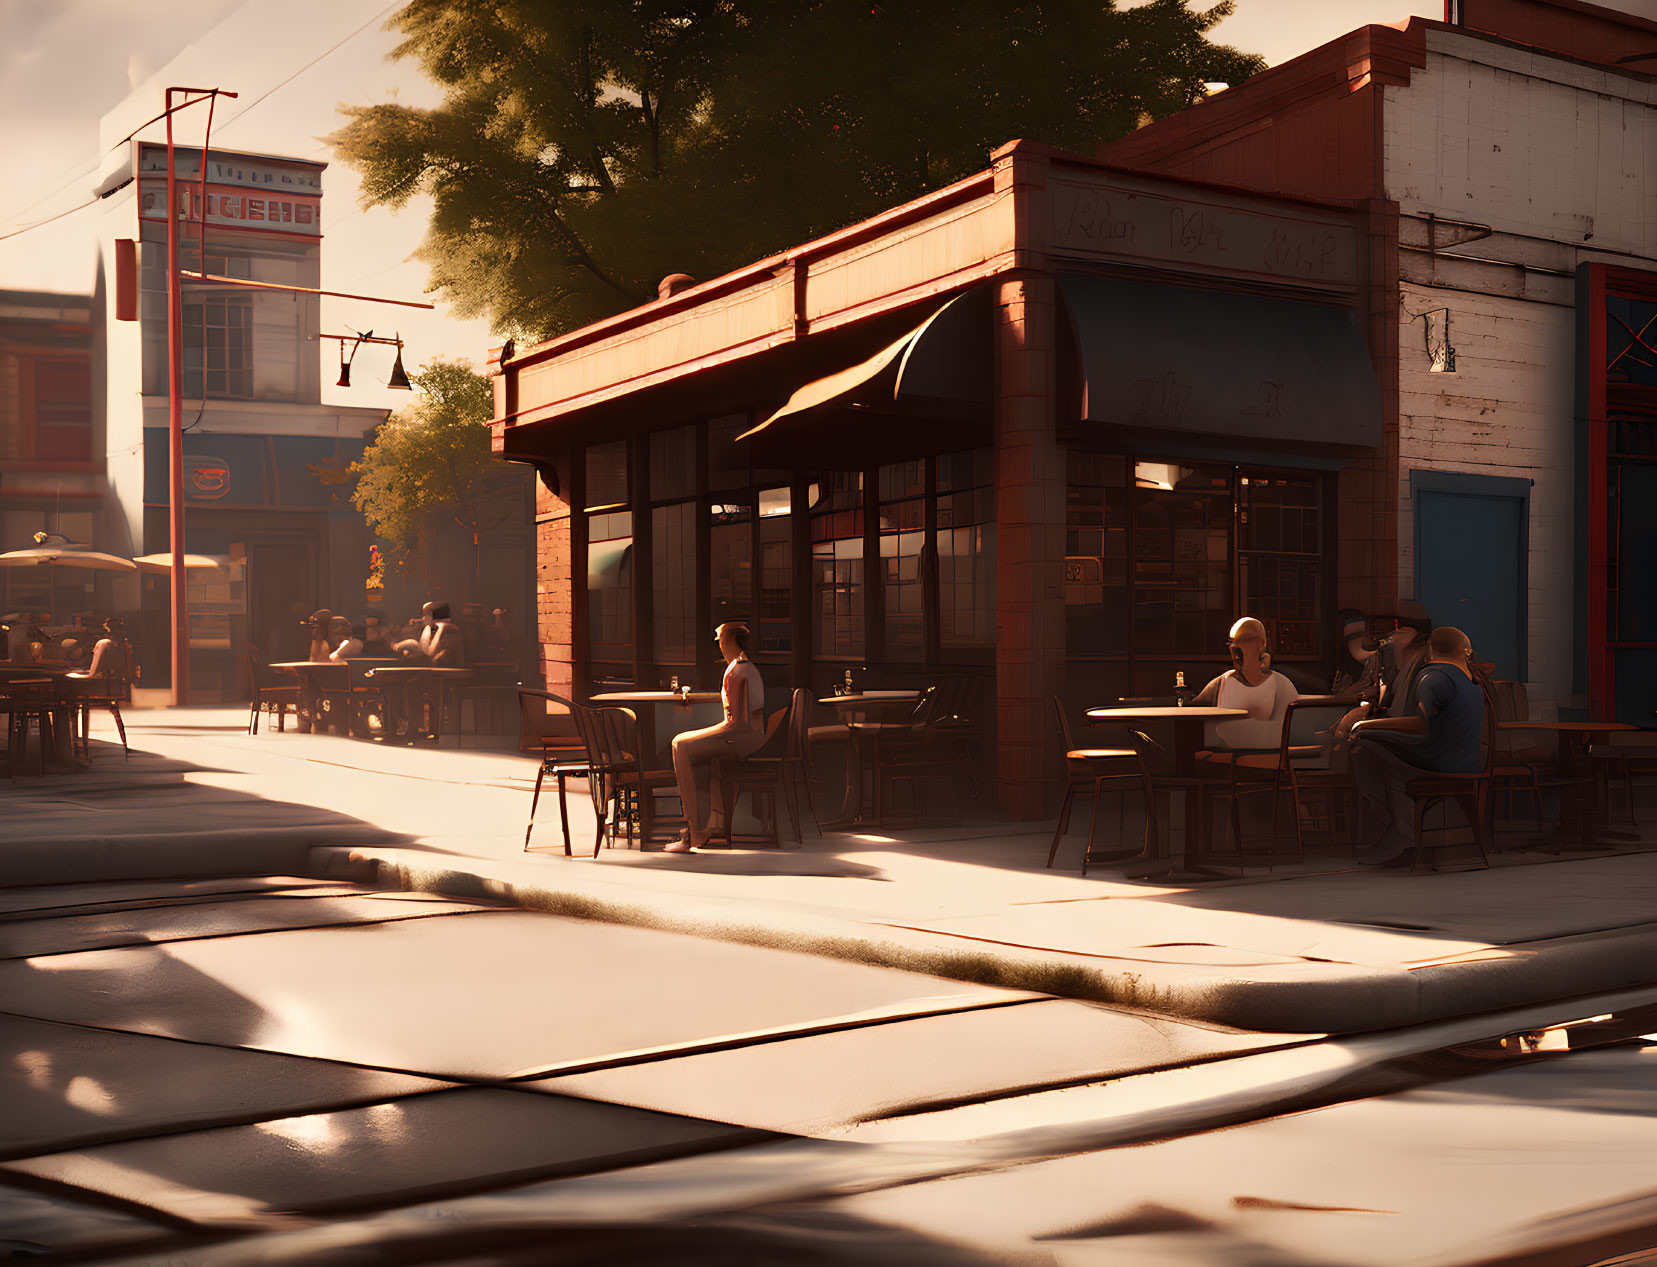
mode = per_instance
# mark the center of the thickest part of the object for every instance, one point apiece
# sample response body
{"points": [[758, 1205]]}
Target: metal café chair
{"points": [[273, 693], [1093, 769], [1470, 791], [564, 757]]}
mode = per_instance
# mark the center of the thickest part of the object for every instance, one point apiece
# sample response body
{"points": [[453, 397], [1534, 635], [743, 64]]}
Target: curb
{"points": [[1302, 997], [153, 855]]}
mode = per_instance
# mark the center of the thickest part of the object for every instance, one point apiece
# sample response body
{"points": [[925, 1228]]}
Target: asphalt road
{"points": [[276, 1070]]}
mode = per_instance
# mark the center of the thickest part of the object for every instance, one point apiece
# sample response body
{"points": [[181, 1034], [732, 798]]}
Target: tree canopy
{"points": [[429, 464], [585, 149]]}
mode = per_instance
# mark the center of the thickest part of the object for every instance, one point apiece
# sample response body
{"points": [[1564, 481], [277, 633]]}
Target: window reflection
{"points": [[966, 550], [837, 563]]}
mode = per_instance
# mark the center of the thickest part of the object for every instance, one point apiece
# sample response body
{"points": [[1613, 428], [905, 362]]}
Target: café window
{"points": [[730, 554], [776, 571], [902, 550], [1096, 555], [1280, 556], [966, 550], [836, 509], [1182, 600], [218, 347], [673, 573], [610, 586]]}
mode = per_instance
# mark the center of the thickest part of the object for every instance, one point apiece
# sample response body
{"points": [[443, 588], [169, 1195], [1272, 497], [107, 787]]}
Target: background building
{"points": [[264, 458], [51, 458]]}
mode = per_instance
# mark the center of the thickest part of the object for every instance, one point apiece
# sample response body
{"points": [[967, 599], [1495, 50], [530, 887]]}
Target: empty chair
{"points": [[1094, 769]]}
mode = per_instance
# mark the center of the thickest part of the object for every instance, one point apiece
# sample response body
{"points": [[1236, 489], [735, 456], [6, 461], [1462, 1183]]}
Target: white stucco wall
{"points": [[1560, 161]]}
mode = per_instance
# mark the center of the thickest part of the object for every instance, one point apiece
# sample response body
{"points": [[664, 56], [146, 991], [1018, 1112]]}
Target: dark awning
{"points": [[1213, 363], [927, 392]]}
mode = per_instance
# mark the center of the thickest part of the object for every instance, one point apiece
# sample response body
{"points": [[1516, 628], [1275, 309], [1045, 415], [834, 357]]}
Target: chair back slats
{"points": [[799, 725], [1065, 737]]}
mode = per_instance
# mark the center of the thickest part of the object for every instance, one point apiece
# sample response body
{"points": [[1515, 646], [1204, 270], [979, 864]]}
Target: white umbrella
{"points": [[62, 556], [164, 562]]}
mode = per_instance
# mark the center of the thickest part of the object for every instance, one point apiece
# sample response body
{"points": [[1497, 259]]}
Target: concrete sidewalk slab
{"points": [[1327, 947]]}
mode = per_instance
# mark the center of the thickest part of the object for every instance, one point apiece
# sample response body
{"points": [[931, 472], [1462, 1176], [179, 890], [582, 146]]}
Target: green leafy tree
{"points": [[584, 149], [429, 466]]}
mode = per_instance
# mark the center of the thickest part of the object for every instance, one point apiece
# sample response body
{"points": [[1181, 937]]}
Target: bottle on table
{"points": [[848, 690], [1182, 694]]}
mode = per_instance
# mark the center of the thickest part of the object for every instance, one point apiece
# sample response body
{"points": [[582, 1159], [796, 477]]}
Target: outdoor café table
{"points": [[61, 752], [1188, 726], [857, 705], [411, 677], [659, 727], [1576, 736]]}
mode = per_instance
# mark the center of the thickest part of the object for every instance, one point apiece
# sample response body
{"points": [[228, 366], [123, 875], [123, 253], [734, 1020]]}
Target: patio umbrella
{"points": [[163, 563], [62, 556]]}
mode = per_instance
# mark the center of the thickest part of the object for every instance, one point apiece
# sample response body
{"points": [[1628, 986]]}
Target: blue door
{"points": [[1471, 547]]}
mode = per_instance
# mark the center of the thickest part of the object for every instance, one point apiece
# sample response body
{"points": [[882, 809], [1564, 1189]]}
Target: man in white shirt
{"points": [[1252, 685]]}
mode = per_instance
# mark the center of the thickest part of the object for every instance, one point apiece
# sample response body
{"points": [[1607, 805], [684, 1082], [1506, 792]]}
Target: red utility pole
{"points": [[175, 402]]}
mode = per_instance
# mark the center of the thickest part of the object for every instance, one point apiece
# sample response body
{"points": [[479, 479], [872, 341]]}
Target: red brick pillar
{"points": [[1029, 511], [554, 594], [1369, 485]]}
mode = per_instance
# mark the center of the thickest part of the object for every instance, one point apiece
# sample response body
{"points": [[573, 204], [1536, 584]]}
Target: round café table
{"points": [[408, 679], [1576, 736], [653, 727], [1188, 725]]}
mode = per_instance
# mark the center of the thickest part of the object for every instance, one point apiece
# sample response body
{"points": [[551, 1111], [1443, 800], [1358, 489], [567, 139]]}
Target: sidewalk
{"points": [[1332, 950]]}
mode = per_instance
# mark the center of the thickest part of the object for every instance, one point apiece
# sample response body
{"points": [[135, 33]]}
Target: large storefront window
{"points": [[1181, 558], [902, 543], [1280, 557], [836, 505], [1096, 556], [776, 571], [730, 554], [610, 587], [966, 550], [1161, 557]]}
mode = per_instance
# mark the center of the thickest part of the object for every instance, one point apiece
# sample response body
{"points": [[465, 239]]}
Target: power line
{"points": [[48, 220]]}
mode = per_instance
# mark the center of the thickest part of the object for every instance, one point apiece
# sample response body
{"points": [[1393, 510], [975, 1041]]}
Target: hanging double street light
{"points": [[399, 377]]}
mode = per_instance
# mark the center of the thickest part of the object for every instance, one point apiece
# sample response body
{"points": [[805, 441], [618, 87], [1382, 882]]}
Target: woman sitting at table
{"points": [[740, 734], [346, 645], [1252, 685], [109, 654]]}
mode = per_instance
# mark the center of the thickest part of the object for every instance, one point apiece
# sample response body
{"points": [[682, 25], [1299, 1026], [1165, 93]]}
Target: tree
{"points": [[429, 465], [584, 149]]}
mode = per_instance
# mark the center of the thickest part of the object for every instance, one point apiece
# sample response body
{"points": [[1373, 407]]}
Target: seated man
{"points": [[1443, 736], [1358, 665], [444, 645], [415, 648], [440, 646], [1398, 665], [1252, 685], [109, 655]]}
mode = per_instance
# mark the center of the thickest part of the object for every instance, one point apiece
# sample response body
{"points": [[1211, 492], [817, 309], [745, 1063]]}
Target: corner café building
{"points": [[1052, 428]]}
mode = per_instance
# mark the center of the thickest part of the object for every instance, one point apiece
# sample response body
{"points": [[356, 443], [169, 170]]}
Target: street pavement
{"points": [[267, 1069], [1323, 946], [297, 999]]}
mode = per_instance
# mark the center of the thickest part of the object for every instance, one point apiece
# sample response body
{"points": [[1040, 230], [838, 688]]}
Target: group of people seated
{"points": [[1418, 706], [434, 637], [92, 651]]}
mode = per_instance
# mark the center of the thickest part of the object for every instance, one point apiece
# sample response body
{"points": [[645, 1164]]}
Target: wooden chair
{"points": [[1094, 769], [629, 788], [564, 757], [1519, 760], [763, 773], [27, 702], [108, 694], [1470, 791], [958, 729], [1629, 754], [796, 753], [272, 693], [491, 688], [911, 751]]}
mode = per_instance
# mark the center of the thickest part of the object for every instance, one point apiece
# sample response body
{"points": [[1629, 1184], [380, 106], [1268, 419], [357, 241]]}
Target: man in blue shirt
{"points": [[1443, 736]]}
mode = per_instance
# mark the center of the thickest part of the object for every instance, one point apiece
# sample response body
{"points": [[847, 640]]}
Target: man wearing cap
{"points": [[318, 623]]}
